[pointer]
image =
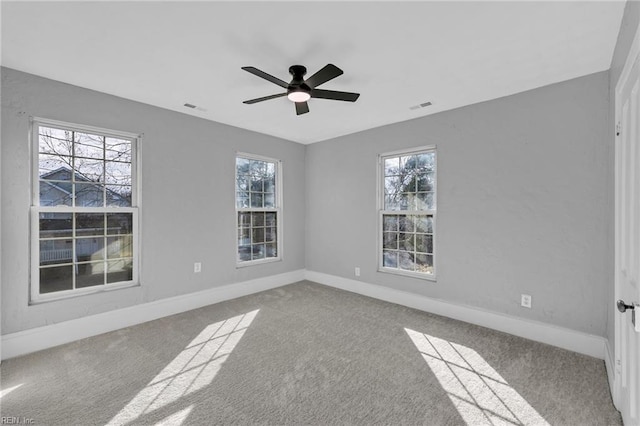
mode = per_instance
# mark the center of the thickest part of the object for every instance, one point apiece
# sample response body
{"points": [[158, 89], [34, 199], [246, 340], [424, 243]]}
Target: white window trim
{"points": [[278, 209], [382, 212], [36, 209]]}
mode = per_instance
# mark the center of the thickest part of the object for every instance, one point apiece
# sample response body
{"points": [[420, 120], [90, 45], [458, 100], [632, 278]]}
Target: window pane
{"points": [[118, 173], [258, 167], [89, 274], [257, 218], [242, 199], [54, 167], [269, 200], [424, 224], [271, 169], [256, 200], [425, 182], [89, 224], [119, 270], [89, 249], [270, 219], [55, 193], [406, 223], [54, 225], [242, 165], [119, 223], [118, 195], [257, 235], [392, 185], [426, 201], [244, 236], [256, 185], [390, 240], [244, 219], [88, 145], [55, 141], [391, 166], [57, 278], [409, 162], [270, 235], [405, 261], [89, 170], [406, 242], [392, 202], [272, 250], [89, 195], [54, 252], [258, 251], [424, 263], [242, 183], [270, 184], [118, 150], [244, 252], [390, 223], [390, 259], [119, 247], [424, 243]]}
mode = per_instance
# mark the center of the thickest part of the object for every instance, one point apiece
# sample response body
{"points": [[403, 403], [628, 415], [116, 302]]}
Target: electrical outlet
{"points": [[197, 267], [525, 300], [357, 271]]}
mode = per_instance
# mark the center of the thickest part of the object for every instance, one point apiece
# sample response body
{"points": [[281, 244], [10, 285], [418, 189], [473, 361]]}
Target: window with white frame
{"points": [[408, 212], [258, 206], [84, 210]]}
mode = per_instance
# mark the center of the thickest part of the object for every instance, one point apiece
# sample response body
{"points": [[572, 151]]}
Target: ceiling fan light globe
{"points": [[299, 96]]}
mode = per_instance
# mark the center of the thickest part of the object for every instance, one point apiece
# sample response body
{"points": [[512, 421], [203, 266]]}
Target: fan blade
{"points": [[265, 98], [268, 77], [301, 108], [329, 72], [334, 95]]}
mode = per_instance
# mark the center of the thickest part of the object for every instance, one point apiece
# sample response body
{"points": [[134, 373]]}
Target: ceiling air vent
{"points": [[425, 104], [190, 106]]}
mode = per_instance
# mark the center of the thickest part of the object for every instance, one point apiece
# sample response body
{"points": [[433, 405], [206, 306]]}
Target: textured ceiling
{"points": [[396, 54]]}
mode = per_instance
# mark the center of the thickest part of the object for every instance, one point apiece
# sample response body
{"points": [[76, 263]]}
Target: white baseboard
{"points": [[32, 340], [24, 342], [564, 338]]}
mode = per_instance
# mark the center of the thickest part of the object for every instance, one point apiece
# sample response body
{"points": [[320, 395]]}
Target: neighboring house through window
{"points": [[408, 212], [84, 210], [258, 209]]}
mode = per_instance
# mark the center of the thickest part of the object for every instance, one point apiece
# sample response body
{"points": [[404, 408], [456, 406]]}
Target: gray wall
{"points": [[523, 203], [187, 209], [628, 28]]}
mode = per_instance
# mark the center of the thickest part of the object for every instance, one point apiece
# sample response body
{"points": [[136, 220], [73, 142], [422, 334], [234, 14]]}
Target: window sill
{"points": [[70, 294], [420, 276], [257, 262]]}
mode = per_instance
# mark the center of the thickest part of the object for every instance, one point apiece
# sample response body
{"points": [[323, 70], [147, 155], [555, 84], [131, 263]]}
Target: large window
{"points": [[84, 210], [408, 212], [258, 204]]}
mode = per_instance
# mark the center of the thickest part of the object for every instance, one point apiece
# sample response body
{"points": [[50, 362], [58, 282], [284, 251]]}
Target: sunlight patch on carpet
{"points": [[191, 370], [478, 392], [5, 392], [177, 418]]}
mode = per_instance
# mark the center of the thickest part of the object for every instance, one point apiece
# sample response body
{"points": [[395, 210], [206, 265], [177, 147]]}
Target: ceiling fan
{"points": [[300, 90]]}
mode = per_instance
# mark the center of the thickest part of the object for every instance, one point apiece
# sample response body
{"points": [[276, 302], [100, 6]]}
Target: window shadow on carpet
{"points": [[478, 392]]}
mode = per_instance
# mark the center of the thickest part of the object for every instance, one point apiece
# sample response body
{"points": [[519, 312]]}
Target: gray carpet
{"points": [[306, 354]]}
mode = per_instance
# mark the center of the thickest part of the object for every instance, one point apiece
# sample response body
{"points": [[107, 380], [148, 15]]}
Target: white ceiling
{"points": [[396, 54]]}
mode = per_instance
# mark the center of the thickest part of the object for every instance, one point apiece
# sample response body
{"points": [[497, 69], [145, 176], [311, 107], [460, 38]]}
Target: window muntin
{"points": [[408, 212], [257, 209], [84, 211]]}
